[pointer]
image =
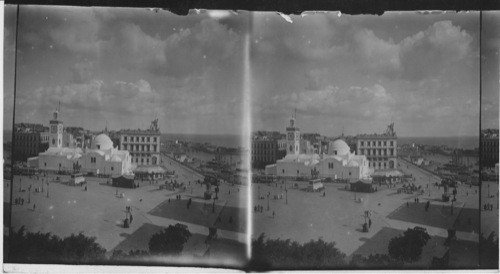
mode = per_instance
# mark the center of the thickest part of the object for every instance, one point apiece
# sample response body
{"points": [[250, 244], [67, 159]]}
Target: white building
{"points": [[101, 158], [339, 164], [144, 145]]}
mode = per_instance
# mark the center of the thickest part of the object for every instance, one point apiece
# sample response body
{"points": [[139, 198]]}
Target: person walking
{"points": [[273, 214], [131, 218], [34, 207], [369, 223]]}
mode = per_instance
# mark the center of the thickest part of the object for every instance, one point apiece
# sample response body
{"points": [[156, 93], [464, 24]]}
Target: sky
{"points": [[126, 67], [360, 73], [356, 73], [490, 70]]}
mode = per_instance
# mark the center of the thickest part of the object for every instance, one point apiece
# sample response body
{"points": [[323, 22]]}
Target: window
{"points": [[283, 171], [125, 138], [112, 168], [349, 173], [148, 139], [362, 143]]}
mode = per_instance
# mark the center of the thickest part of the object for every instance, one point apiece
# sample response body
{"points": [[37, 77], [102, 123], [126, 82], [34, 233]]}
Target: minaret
{"points": [[56, 129], [293, 137]]}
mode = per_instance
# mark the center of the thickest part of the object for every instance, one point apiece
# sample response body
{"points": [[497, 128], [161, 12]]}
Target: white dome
{"points": [[102, 142], [340, 147]]}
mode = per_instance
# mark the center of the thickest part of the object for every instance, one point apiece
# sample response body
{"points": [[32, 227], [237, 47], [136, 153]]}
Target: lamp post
{"points": [[268, 202]]}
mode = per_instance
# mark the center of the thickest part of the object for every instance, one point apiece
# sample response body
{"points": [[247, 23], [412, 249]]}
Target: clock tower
{"points": [[56, 131], [292, 138]]}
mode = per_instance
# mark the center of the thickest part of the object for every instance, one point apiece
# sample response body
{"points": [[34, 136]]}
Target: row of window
{"points": [[263, 152], [143, 160], [263, 145], [27, 137], [376, 143], [139, 147], [139, 139], [381, 164], [379, 152], [263, 159]]}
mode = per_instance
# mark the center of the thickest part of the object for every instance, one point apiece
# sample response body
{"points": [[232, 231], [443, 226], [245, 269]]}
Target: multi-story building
{"points": [[489, 147], [143, 145], [265, 152], [379, 149], [29, 144]]}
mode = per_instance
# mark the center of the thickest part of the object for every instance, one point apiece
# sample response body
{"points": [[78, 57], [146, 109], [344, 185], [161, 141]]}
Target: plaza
{"points": [[96, 210], [338, 216], [489, 218]]}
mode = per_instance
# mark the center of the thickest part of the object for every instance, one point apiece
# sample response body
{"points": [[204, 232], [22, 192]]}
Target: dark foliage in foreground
{"points": [[131, 255], [374, 261], [169, 241], [488, 252], [29, 247], [408, 247], [285, 254]]}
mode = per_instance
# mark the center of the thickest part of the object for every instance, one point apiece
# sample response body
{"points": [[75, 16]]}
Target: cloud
{"points": [[141, 49], [354, 102], [95, 98], [82, 72], [433, 50], [375, 53]]}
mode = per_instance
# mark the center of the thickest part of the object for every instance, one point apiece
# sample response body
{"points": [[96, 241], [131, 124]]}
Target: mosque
{"points": [[338, 163], [100, 158]]}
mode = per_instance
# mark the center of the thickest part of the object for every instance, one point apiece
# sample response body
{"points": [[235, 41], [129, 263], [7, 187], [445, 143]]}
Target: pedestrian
{"points": [[369, 223], [131, 218], [169, 200], [407, 204], [273, 214], [34, 207], [85, 188]]}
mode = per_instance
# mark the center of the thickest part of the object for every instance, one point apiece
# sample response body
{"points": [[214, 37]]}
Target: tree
{"points": [[280, 254], [29, 247], [374, 261], [408, 248], [169, 241], [488, 252]]}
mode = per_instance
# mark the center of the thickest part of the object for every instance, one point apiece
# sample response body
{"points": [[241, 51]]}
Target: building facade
{"points": [[100, 158], [379, 149], [143, 145], [293, 138], [264, 152], [29, 144], [489, 148], [341, 165]]}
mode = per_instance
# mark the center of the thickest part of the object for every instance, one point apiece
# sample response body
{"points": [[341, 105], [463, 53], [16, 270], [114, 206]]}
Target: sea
{"points": [[234, 140], [222, 140], [463, 142]]}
